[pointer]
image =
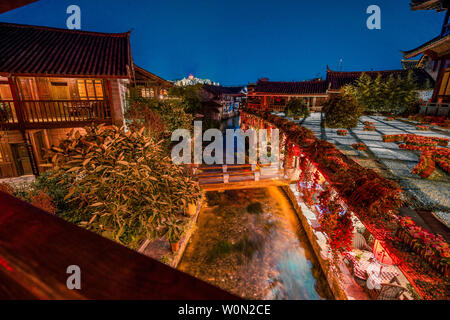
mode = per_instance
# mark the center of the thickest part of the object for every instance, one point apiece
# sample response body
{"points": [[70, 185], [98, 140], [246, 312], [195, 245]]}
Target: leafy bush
{"points": [[122, 184], [297, 108], [159, 117], [191, 97], [342, 111], [394, 95]]}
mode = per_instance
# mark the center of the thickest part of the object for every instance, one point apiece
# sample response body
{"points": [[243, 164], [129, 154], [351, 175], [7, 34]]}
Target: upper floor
{"points": [[56, 78]]}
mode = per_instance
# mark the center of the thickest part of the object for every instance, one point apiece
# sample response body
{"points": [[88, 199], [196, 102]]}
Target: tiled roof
{"points": [[142, 75], [294, 87], [13, 4], [338, 79], [34, 50], [439, 40], [438, 5], [218, 90]]}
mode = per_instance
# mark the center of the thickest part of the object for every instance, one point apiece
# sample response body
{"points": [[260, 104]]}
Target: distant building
{"points": [[436, 52], [191, 81], [224, 102], [274, 95], [52, 81], [150, 85], [337, 79]]}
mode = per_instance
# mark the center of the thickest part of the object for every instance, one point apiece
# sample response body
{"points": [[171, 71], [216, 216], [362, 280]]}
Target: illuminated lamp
{"points": [[381, 254], [297, 151]]}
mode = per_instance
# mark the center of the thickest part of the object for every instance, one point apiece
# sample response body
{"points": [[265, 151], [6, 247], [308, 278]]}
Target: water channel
{"points": [[250, 242]]}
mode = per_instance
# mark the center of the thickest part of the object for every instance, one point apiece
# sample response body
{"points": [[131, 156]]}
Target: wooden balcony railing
{"points": [[7, 112], [53, 113], [36, 249]]}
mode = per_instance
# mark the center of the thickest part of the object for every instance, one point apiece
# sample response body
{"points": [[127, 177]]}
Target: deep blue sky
{"points": [[236, 42]]}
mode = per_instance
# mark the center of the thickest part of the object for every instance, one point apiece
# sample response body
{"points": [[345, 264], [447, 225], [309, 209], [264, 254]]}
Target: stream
{"points": [[250, 242]]}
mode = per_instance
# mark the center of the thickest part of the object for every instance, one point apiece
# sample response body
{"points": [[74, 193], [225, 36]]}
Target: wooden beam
{"points": [[14, 4], [36, 248]]}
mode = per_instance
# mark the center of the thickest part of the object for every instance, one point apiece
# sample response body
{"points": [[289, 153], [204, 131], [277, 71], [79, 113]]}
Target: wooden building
{"points": [[274, 95], [54, 80], [13, 4], [437, 50], [150, 85], [223, 102]]}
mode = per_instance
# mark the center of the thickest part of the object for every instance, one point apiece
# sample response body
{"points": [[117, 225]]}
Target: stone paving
{"points": [[391, 161]]}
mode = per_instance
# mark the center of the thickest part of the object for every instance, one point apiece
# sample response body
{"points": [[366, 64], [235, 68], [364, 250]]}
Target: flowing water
{"points": [[249, 242]]}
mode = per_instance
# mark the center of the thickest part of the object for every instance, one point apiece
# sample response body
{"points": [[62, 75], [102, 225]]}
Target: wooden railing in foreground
{"points": [[36, 249]]}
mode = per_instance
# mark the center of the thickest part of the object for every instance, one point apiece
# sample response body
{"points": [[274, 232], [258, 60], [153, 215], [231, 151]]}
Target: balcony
{"points": [[42, 114]]}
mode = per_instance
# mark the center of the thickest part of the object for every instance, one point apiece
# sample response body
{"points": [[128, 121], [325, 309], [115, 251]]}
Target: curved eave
{"points": [[429, 5], [429, 46]]}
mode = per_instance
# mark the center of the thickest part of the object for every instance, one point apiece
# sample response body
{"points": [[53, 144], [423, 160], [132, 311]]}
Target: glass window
{"points": [[5, 92], [90, 89], [147, 93]]}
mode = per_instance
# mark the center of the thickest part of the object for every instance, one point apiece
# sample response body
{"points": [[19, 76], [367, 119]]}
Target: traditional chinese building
{"points": [[436, 52], [337, 79], [150, 85], [227, 101], [274, 95], [54, 80]]}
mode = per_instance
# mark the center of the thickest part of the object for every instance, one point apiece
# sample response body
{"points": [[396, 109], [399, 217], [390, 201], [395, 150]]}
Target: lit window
{"points": [[147, 93], [90, 89]]}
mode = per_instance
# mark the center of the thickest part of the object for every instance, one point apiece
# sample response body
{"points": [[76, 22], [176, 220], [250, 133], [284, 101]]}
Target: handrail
{"points": [[36, 112]]}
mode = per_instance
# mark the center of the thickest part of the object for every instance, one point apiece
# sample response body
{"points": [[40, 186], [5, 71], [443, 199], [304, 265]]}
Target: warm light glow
{"points": [[381, 254]]}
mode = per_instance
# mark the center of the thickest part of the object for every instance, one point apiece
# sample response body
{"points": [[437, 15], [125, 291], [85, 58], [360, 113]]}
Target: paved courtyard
{"points": [[391, 161]]}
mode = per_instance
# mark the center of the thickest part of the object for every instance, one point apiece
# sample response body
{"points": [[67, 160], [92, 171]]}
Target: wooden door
{"points": [[21, 159]]}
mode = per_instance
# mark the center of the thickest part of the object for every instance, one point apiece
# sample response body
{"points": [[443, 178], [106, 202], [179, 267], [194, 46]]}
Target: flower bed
{"points": [[369, 123], [442, 121], [431, 154], [390, 119], [442, 158], [423, 128], [369, 128], [432, 248], [342, 132], [372, 198], [364, 190], [426, 165], [359, 146]]}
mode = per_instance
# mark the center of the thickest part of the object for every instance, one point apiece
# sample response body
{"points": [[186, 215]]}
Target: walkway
{"points": [[393, 163]]}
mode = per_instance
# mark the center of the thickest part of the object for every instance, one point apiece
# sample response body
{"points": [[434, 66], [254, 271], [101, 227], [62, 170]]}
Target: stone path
{"points": [[391, 161]]}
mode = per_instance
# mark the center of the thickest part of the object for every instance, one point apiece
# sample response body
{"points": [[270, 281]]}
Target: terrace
{"points": [[391, 161], [396, 223]]}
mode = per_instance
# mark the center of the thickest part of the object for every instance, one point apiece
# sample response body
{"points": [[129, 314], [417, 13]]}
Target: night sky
{"points": [[236, 42]]}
